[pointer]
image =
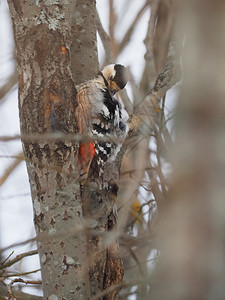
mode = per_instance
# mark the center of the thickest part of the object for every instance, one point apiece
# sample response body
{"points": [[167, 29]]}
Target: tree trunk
{"points": [[56, 47]]}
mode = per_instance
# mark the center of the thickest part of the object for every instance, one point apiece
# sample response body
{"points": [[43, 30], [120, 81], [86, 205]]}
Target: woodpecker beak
{"points": [[113, 87]]}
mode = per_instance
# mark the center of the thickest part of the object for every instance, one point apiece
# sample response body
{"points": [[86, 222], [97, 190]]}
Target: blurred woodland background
{"points": [[171, 223]]}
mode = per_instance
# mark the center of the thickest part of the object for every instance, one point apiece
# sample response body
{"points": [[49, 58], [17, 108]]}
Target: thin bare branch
{"points": [[11, 168], [55, 137], [112, 23], [16, 280], [147, 112], [110, 290], [10, 83], [22, 274], [7, 258], [18, 294], [149, 73], [154, 186], [130, 30], [163, 30], [126, 101], [109, 58], [18, 258]]}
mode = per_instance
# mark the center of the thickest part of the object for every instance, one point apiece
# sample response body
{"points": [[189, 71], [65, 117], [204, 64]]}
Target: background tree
{"points": [[171, 190]]}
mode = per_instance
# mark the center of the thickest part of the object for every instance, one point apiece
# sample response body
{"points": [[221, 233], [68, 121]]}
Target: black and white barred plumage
{"points": [[99, 115]]}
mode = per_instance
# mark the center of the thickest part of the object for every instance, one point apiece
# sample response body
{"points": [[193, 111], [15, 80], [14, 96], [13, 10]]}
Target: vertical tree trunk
{"points": [[84, 56], [56, 45]]}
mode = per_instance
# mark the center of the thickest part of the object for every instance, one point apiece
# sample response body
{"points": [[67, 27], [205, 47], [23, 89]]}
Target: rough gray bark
{"points": [[84, 67], [43, 40], [56, 47]]}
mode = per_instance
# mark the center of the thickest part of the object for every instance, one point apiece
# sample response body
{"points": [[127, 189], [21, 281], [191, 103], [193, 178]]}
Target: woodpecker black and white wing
{"points": [[111, 128]]}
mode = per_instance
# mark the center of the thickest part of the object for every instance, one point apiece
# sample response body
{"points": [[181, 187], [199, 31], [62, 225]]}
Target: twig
{"points": [[150, 32], [163, 109], [135, 258], [10, 156], [10, 83], [110, 290], [148, 110], [7, 258], [167, 137], [154, 187], [105, 40], [18, 258], [45, 236], [135, 90], [10, 294], [15, 196], [151, 260], [18, 294], [11, 168], [112, 22], [163, 31], [56, 137], [118, 286], [128, 105], [130, 30], [19, 244], [10, 138], [23, 274], [149, 73]]}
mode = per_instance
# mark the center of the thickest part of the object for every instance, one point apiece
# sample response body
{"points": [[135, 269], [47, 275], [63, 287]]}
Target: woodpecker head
{"points": [[115, 77]]}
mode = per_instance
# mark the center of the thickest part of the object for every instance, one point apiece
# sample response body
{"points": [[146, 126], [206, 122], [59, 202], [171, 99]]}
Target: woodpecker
{"points": [[98, 115]]}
